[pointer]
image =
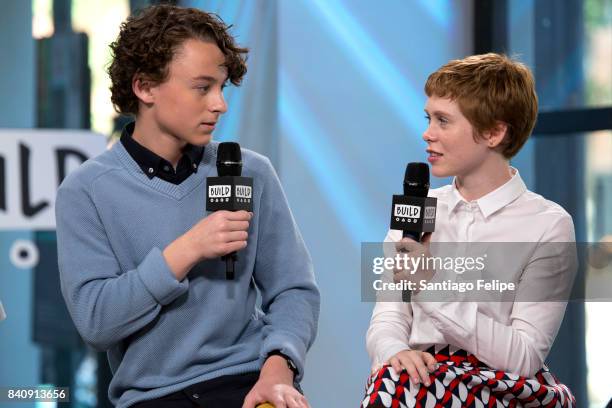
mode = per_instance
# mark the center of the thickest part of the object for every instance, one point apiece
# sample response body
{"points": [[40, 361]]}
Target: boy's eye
{"points": [[442, 120], [203, 89]]}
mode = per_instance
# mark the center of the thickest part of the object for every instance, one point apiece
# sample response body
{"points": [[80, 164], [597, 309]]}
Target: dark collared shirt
{"points": [[155, 166]]}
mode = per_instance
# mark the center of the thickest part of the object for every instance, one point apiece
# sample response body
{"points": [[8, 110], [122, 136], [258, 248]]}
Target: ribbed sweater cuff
{"points": [[289, 345], [159, 279]]}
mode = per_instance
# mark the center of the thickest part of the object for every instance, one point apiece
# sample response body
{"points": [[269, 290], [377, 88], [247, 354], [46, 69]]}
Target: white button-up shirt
{"points": [[511, 336]]}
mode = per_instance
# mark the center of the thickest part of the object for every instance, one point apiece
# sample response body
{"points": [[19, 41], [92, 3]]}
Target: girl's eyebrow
{"points": [[438, 113]]}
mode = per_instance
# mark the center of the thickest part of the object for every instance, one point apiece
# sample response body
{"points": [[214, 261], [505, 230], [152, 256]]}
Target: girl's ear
{"points": [[496, 135]]}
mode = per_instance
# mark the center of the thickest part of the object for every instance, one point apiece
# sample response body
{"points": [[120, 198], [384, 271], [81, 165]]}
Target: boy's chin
{"points": [[201, 139]]}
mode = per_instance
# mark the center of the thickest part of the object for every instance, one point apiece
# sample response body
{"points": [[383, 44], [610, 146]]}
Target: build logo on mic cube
{"points": [[415, 214], [229, 193]]}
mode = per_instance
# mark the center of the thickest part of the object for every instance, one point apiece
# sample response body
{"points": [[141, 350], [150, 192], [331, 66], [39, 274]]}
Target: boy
{"points": [[139, 256]]}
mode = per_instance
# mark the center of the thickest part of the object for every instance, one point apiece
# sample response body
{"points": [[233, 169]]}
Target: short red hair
{"points": [[490, 88]]}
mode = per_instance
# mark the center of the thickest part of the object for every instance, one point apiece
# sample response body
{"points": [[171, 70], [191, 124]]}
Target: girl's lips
{"points": [[433, 157]]}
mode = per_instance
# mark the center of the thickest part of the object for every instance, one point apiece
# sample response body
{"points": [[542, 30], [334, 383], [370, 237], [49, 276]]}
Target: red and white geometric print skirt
{"points": [[460, 380]]}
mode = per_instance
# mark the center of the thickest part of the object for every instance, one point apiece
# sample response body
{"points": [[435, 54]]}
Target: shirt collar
{"points": [[496, 199], [149, 162]]}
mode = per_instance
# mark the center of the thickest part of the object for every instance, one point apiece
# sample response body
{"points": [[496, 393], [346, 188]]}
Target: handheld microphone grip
{"points": [[229, 163], [230, 262], [412, 235]]}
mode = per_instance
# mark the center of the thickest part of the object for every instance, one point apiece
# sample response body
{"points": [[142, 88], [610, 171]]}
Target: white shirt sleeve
{"points": [[390, 325], [389, 331], [522, 346]]}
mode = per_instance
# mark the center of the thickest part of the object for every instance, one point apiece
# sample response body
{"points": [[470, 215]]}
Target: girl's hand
{"points": [[417, 363]]}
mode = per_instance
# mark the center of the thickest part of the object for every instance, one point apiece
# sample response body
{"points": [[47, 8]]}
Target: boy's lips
{"points": [[434, 153]]}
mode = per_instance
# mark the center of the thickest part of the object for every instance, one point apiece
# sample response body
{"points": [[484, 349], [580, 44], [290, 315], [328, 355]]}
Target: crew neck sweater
{"points": [[162, 335]]}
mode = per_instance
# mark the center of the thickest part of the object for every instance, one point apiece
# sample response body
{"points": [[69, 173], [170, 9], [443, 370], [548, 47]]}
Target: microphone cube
{"points": [[231, 193], [414, 214]]}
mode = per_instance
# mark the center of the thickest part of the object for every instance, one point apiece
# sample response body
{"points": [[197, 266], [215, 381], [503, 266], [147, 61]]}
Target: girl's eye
{"points": [[427, 118], [442, 121]]}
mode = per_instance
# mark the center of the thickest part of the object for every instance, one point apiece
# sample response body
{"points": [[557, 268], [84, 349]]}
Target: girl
{"points": [[480, 110]]}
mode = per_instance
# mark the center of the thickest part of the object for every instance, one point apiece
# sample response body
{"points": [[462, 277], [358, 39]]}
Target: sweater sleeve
{"points": [[106, 304], [284, 275]]}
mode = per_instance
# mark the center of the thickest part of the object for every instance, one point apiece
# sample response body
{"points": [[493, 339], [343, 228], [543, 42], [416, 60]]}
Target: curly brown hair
{"points": [[148, 40], [489, 88]]}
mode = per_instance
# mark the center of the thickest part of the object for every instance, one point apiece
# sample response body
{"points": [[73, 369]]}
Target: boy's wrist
{"points": [[276, 366], [189, 251], [180, 256]]}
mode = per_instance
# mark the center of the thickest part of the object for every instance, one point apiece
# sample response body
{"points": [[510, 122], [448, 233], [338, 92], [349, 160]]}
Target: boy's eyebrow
{"points": [[205, 78], [208, 78]]}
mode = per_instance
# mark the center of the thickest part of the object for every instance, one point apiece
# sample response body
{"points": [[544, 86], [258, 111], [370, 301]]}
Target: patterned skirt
{"points": [[460, 380]]}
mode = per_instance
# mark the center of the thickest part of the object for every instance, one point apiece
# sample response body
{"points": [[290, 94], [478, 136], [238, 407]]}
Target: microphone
{"points": [[414, 213], [416, 184], [229, 191]]}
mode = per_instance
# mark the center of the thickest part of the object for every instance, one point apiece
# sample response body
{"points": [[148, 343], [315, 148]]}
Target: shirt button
{"points": [[151, 170], [195, 166], [166, 168], [196, 396]]}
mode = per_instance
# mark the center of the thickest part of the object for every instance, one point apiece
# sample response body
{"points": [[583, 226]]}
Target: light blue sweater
{"points": [[162, 335]]}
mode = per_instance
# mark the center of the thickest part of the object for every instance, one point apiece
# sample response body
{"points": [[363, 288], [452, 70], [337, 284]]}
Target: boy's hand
{"points": [[219, 234], [275, 385]]}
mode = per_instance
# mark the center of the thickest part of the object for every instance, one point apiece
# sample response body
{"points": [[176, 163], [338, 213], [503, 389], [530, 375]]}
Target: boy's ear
{"points": [[496, 135], [142, 88]]}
